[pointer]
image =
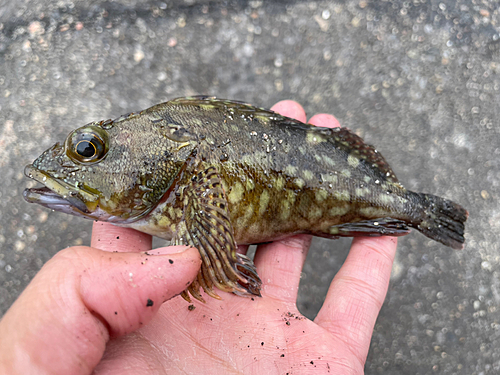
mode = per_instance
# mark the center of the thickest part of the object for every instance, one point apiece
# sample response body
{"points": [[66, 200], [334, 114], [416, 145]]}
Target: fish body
{"points": [[216, 173]]}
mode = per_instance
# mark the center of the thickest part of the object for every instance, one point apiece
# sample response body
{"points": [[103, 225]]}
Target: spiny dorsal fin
{"points": [[342, 138], [239, 107]]}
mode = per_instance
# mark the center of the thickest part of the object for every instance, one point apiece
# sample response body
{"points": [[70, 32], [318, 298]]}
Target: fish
{"points": [[214, 174]]}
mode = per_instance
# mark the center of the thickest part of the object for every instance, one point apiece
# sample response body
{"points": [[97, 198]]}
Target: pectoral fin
{"points": [[207, 227]]}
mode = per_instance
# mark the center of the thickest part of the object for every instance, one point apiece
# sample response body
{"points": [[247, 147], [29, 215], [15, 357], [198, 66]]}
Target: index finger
{"points": [[109, 237]]}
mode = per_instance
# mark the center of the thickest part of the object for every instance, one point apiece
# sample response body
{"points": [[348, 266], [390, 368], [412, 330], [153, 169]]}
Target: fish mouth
{"points": [[58, 195]]}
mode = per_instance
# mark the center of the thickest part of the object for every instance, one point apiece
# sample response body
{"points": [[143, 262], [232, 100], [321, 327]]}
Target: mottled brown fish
{"points": [[215, 173]]}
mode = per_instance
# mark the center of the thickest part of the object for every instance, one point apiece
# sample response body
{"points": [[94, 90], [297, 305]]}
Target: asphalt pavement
{"points": [[418, 79]]}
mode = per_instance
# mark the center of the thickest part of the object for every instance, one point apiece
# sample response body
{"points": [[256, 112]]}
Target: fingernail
{"points": [[168, 250]]}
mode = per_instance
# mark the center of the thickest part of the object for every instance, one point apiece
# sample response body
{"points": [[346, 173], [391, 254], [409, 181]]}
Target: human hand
{"points": [[236, 335], [267, 335], [83, 296]]}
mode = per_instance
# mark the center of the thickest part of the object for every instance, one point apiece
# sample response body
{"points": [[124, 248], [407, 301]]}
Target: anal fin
{"points": [[372, 228]]}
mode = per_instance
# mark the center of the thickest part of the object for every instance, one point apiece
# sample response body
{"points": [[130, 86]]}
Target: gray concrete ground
{"points": [[419, 79]]}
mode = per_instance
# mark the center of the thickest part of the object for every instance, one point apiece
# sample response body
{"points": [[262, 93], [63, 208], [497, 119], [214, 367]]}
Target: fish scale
{"points": [[214, 174]]}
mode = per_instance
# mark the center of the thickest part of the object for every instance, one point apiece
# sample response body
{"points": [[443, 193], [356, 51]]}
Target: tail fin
{"points": [[442, 220]]}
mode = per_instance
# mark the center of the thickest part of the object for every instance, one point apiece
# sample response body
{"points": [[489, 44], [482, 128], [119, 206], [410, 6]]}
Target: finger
{"points": [[356, 296], [81, 297], [289, 108], [109, 237], [325, 120], [280, 263], [357, 293]]}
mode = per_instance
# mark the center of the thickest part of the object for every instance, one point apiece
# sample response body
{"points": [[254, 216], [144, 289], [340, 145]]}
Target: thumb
{"points": [[83, 296]]}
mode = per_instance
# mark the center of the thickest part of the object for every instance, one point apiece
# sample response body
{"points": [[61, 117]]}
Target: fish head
{"points": [[114, 171]]}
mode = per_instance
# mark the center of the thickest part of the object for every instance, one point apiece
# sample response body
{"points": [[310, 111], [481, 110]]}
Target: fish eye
{"points": [[87, 145], [89, 148]]}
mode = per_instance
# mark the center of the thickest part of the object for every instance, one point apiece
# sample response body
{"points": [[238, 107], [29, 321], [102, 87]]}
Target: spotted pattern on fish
{"points": [[215, 174]]}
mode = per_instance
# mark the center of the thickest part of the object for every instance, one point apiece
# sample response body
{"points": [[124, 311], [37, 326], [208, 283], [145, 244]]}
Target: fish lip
{"points": [[47, 198], [55, 193]]}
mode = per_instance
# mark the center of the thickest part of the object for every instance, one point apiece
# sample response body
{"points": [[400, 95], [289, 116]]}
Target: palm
{"points": [[239, 336], [255, 336], [265, 335]]}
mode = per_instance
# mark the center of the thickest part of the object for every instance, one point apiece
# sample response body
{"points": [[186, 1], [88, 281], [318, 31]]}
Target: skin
{"points": [[83, 313]]}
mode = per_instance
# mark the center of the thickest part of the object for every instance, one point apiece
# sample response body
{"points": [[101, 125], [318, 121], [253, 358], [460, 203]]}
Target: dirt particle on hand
{"points": [[191, 307], [171, 261], [149, 303]]}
